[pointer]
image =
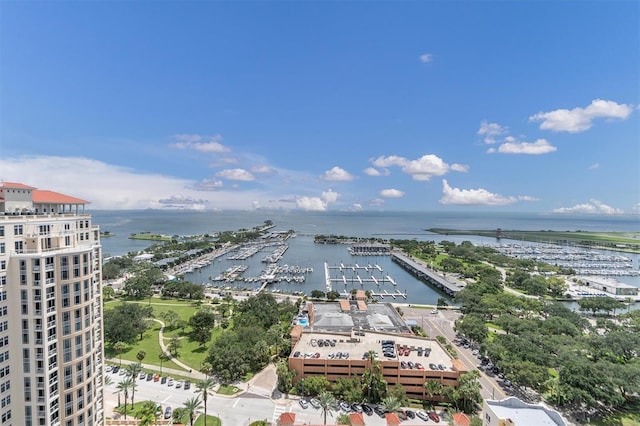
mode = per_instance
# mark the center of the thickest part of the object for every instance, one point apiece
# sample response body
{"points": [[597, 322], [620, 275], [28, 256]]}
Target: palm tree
{"points": [[163, 357], [205, 386], [326, 401], [391, 404], [433, 387], [206, 368], [124, 387], [147, 414], [118, 348], [191, 406], [140, 355], [134, 369]]}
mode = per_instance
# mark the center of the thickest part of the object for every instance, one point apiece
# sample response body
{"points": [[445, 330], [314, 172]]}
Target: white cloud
{"points": [[265, 170], [208, 185], [112, 187], [337, 174], [460, 168], [392, 160], [581, 119], [370, 171], [476, 197], [594, 166], [541, 146], [194, 142], [425, 58], [592, 207], [425, 167], [330, 196], [489, 131], [311, 204], [376, 202], [356, 207], [236, 174], [391, 193]]}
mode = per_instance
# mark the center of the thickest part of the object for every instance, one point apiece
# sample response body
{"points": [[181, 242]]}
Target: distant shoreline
{"points": [[616, 241]]}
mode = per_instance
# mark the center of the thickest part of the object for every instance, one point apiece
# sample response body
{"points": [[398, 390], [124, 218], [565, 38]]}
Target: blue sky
{"points": [[325, 105]]}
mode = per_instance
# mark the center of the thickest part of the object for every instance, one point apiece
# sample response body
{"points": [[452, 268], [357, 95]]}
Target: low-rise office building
{"points": [[514, 412], [339, 337]]}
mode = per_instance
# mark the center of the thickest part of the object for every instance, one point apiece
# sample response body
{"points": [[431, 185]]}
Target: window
{"points": [[1, 230], [17, 229], [18, 246], [66, 350], [1, 248], [3, 265]]}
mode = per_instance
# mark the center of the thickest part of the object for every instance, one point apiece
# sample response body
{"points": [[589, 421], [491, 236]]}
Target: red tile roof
{"points": [[356, 419], [15, 185], [287, 419], [392, 419], [43, 196], [461, 419]]}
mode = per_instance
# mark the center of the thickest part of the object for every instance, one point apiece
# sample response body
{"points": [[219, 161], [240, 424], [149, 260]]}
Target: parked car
{"points": [[115, 369], [296, 354], [344, 406], [143, 375], [159, 411], [149, 377], [356, 408], [410, 414], [178, 385], [168, 412], [187, 385], [379, 411], [108, 368], [170, 382], [433, 416], [366, 408], [163, 380], [156, 377], [422, 415], [314, 403], [304, 403]]}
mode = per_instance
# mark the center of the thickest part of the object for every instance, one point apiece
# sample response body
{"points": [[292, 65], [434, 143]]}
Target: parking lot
{"points": [[240, 410]]}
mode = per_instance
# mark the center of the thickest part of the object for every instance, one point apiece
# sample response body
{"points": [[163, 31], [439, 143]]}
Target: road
{"points": [[241, 410], [442, 324]]}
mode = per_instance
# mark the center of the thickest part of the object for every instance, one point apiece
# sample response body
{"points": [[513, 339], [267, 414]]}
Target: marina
{"points": [[355, 274], [583, 262]]}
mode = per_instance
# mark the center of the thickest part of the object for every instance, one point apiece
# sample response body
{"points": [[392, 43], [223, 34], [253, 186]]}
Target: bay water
{"points": [[305, 253]]}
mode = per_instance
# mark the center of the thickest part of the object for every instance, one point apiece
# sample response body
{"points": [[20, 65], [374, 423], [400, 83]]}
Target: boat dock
{"points": [[351, 274], [422, 271], [381, 295]]}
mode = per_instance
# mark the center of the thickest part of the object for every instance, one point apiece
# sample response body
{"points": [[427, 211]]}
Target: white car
{"points": [[314, 403], [178, 385], [424, 416], [170, 382]]}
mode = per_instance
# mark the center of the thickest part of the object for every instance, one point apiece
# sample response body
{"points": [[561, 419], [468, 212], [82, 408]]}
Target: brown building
{"points": [[319, 351]]}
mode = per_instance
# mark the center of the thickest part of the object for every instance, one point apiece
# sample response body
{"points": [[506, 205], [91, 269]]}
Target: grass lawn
{"points": [[228, 390], [211, 421], [190, 353]]}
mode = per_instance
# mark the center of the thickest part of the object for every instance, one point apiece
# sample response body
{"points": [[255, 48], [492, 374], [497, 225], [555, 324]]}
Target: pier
{"points": [[355, 277], [422, 271]]}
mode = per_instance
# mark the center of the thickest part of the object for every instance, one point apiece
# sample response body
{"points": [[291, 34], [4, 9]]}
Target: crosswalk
{"points": [[277, 410]]}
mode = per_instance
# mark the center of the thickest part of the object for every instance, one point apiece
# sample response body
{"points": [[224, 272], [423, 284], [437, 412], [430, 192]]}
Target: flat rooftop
{"points": [[357, 345], [331, 318]]}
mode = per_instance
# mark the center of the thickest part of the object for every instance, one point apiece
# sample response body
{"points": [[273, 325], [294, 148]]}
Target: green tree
{"points": [[174, 345], [108, 292], [202, 322], [433, 388], [147, 414], [125, 386], [118, 348], [140, 355], [326, 401], [134, 369], [204, 387], [191, 406], [285, 376], [472, 326], [317, 294], [390, 404], [126, 321], [163, 357]]}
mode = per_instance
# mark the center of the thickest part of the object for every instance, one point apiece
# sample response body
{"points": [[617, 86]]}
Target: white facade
{"points": [[514, 412], [51, 343]]}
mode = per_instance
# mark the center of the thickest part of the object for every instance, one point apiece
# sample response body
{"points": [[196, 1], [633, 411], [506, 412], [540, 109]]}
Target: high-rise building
{"points": [[51, 337]]}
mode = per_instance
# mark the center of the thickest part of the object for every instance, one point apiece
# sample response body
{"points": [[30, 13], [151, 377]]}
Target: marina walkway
{"points": [[422, 271]]}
